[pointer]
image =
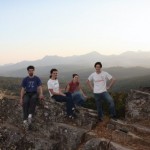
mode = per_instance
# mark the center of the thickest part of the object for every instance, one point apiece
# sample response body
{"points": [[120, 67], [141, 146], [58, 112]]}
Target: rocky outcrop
{"points": [[138, 105], [50, 130], [135, 129], [102, 144]]}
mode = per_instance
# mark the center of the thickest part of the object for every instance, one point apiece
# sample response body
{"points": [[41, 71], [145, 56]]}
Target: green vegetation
{"points": [[9, 84], [125, 85], [119, 99], [118, 92]]}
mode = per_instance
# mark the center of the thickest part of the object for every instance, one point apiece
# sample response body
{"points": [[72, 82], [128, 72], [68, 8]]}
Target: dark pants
{"points": [[99, 97], [68, 100], [29, 104]]}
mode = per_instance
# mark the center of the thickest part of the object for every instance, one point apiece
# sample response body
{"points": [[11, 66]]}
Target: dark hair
{"points": [[98, 63], [74, 75], [30, 67], [51, 71]]}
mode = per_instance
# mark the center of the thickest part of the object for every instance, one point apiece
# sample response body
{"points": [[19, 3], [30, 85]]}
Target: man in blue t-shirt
{"points": [[31, 89]]}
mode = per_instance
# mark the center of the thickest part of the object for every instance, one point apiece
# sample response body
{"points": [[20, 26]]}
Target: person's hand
{"points": [[107, 87], [41, 97], [63, 94], [85, 96]]}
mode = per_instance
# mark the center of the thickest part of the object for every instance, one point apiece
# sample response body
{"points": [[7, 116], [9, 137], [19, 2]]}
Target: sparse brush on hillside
{"points": [[119, 99], [119, 91]]}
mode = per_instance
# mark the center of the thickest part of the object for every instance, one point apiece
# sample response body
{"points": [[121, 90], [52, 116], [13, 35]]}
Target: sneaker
{"points": [[73, 109], [71, 117], [29, 120], [25, 124]]}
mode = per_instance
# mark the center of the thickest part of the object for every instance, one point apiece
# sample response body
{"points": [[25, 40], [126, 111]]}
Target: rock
{"points": [[93, 144], [121, 136], [110, 126], [115, 146], [137, 106], [50, 129], [102, 144], [70, 137], [90, 135]]}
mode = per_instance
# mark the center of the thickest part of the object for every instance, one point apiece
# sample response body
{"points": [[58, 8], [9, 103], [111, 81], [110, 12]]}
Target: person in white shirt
{"points": [[100, 87], [58, 95]]}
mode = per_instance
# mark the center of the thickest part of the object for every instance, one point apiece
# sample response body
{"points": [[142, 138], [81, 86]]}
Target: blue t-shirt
{"points": [[31, 84]]}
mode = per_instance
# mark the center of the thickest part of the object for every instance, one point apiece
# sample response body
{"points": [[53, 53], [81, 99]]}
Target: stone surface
{"points": [[102, 144], [137, 106], [69, 136], [51, 130], [115, 146], [90, 135], [110, 126]]}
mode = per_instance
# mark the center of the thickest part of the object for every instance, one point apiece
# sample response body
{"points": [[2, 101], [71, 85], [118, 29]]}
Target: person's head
{"points": [[30, 70], [98, 66], [53, 73], [75, 77]]}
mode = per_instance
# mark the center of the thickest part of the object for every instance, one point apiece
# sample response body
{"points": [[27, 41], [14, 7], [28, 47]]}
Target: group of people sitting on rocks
{"points": [[31, 90]]}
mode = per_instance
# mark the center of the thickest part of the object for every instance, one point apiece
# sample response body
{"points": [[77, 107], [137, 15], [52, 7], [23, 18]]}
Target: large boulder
{"points": [[137, 106]]}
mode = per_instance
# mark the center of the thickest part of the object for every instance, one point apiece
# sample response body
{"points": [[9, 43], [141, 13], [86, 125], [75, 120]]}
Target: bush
{"points": [[119, 100]]}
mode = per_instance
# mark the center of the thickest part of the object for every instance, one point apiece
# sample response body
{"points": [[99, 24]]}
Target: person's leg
{"points": [[32, 104], [26, 99], [98, 101], [106, 96], [70, 105], [78, 99], [68, 100], [59, 98]]}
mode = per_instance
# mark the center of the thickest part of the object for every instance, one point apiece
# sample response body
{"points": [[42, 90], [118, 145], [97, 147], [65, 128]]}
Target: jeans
{"points": [[68, 100], [29, 104], [99, 97], [78, 98]]}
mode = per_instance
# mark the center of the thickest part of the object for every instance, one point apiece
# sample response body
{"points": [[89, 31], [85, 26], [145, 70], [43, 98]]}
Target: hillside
{"points": [[128, 59], [121, 85]]}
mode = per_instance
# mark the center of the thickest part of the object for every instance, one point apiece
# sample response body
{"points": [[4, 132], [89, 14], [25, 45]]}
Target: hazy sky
{"points": [[31, 29]]}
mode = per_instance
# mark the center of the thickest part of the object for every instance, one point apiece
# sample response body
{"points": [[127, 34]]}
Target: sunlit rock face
{"points": [[51, 130], [138, 105]]}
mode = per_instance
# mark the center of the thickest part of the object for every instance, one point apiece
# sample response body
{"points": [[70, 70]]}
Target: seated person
{"points": [[74, 88], [55, 93]]}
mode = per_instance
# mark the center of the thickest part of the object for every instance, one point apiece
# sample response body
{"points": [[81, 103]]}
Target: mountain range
{"points": [[81, 63]]}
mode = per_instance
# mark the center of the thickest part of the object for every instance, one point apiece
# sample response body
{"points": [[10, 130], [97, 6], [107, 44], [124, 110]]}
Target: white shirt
{"points": [[100, 81], [53, 84]]}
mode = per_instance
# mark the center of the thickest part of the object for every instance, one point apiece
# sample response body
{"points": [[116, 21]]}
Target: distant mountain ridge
{"points": [[127, 59]]}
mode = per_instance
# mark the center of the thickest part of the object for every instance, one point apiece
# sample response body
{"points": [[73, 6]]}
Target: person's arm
{"points": [[40, 91], [55, 93], [111, 83], [67, 88], [82, 91], [21, 95], [90, 84]]}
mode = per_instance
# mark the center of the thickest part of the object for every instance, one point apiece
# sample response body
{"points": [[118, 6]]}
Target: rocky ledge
{"points": [[51, 130]]}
